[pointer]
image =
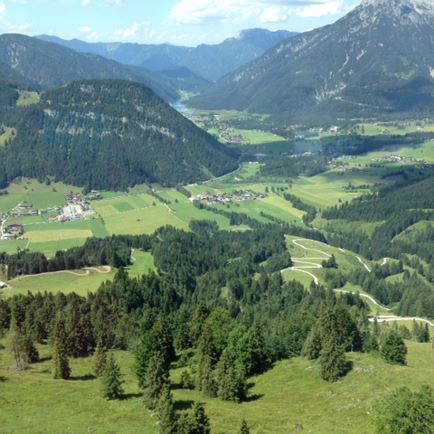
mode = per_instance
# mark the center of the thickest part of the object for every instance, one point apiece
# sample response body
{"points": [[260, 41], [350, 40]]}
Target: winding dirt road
{"points": [[105, 269], [307, 265]]}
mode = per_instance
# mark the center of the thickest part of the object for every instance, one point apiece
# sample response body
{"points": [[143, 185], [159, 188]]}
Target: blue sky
{"points": [[181, 22]]}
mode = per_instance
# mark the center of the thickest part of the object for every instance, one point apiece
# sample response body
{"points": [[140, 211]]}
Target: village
{"points": [[226, 198], [78, 207]]}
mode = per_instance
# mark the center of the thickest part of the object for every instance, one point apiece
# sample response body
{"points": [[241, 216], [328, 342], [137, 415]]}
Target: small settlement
{"points": [[226, 198], [77, 207]]}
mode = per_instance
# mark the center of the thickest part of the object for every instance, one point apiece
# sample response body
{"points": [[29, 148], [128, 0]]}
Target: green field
{"points": [[412, 154], [289, 395], [79, 281], [27, 98], [143, 262], [8, 134]]}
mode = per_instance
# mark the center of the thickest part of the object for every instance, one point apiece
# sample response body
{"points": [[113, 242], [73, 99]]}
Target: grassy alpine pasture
{"points": [[410, 154], [142, 263], [78, 281], [8, 134], [27, 98], [287, 398]]}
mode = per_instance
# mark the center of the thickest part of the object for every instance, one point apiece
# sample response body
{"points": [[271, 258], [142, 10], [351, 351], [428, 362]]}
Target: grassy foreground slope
{"points": [[291, 395]]}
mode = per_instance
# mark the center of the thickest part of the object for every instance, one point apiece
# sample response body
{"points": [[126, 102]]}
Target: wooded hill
{"points": [[42, 65], [109, 135]]}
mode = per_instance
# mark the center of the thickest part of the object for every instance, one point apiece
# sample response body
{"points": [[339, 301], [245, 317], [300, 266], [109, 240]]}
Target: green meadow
{"points": [[78, 281], [289, 397]]}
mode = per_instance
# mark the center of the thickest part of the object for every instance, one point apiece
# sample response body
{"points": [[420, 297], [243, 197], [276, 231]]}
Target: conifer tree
{"points": [[112, 380], [187, 381], [393, 349], [230, 379], [206, 380], [30, 352], [61, 369], [197, 422], [100, 360], [332, 360], [166, 412], [312, 346], [156, 378], [244, 428], [16, 344]]}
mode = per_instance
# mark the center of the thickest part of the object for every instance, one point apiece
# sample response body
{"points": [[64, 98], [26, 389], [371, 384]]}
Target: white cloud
{"points": [[128, 32], [197, 11], [86, 2], [2, 8], [18, 28], [321, 9], [85, 29], [114, 2], [274, 14], [268, 11]]}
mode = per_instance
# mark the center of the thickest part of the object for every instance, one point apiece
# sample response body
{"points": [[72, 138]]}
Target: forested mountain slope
{"points": [[44, 65], [377, 60], [109, 135]]}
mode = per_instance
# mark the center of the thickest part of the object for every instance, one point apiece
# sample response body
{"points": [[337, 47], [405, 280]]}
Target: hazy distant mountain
{"points": [[44, 65], [184, 79], [109, 134], [377, 60], [208, 61]]}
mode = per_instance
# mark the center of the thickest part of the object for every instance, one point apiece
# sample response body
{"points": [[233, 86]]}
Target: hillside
{"points": [[44, 65], [184, 79], [110, 135], [208, 61], [375, 61]]}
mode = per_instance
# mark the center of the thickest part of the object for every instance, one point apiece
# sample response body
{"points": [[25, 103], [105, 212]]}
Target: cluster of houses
{"points": [[214, 122], [226, 198], [397, 159], [78, 207], [24, 209]]}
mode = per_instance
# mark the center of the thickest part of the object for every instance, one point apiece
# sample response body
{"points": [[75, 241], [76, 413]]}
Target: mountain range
{"points": [[210, 62], [378, 60], [42, 65]]}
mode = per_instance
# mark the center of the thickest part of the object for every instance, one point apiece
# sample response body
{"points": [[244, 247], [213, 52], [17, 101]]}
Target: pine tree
{"points": [[16, 344], [312, 346], [393, 349], [230, 379], [61, 369], [100, 360], [31, 354], [255, 358], [112, 380], [244, 428], [332, 360], [197, 422], [166, 412], [187, 382], [206, 380], [156, 378]]}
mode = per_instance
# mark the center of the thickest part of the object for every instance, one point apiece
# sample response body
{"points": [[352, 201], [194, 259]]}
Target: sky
{"points": [[180, 22]]}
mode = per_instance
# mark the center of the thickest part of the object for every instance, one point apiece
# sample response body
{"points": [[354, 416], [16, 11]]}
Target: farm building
{"points": [[3, 285]]}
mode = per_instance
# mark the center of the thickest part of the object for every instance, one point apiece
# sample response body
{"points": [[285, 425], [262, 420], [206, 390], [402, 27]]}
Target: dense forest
{"points": [[109, 135]]}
